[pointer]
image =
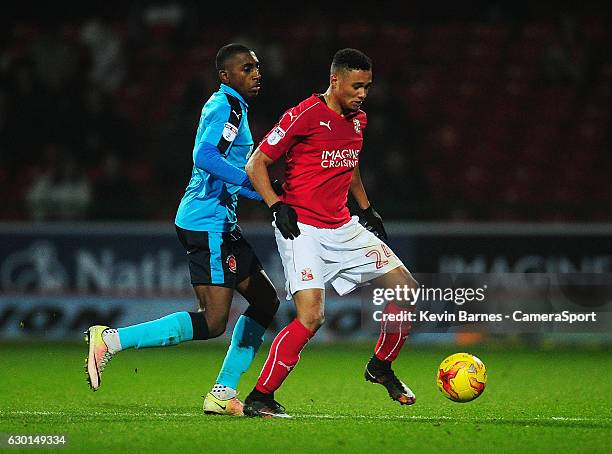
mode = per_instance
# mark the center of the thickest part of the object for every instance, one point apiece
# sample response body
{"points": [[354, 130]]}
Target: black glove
{"points": [[372, 221], [285, 219], [277, 185]]}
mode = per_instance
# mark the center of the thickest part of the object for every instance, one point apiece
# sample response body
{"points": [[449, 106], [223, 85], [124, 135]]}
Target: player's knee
{"points": [[268, 294], [320, 320], [263, 313], [313, 321], [409, 280], [412, 282]]}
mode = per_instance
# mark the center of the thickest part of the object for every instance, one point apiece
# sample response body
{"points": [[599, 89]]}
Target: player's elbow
{"points": [[257, 163], [250, 168], [253, 166]]}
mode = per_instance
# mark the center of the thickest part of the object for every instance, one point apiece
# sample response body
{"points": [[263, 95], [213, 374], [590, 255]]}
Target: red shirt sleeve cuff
{"points": [[271, 152]]}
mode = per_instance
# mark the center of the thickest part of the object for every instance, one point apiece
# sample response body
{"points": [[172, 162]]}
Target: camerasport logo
{"points": [[231, 263], [307, 275]]}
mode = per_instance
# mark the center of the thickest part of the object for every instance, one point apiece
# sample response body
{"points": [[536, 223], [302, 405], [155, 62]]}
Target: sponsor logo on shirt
{"points": [[229, 132], [326, 124], [307, 275], [347, 157], [276, 135]]}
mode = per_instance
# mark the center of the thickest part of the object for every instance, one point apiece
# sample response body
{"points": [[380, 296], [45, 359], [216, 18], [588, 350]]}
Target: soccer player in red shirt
{"points": [[317, 239]]}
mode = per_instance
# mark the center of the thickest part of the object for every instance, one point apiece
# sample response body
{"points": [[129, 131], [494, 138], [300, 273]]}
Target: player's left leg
{"points": [[393, 333], [367, 259], [255, 286], [247, 337]]}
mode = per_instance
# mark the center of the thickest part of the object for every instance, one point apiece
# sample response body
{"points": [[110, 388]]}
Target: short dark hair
{"points": [[348, 59], [227, 52]]}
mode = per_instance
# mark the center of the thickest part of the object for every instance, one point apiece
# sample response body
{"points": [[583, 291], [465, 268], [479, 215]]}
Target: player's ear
{"points": [[333, 81], [223, 76]]}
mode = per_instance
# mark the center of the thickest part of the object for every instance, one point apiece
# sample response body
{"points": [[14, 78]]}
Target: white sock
{"points": [[223, 392], [111, 339]]}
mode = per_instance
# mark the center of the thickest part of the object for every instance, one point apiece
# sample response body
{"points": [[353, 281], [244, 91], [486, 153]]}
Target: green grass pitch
{"points": [[536, 401]]}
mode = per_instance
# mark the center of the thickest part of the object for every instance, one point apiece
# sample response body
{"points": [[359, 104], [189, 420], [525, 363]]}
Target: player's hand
{"points": [[285, 219], [277, 185], [372, 221]]}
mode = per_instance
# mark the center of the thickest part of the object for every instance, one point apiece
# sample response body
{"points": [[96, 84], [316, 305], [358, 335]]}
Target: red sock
{"points": [[392, 334], [284, 355]]}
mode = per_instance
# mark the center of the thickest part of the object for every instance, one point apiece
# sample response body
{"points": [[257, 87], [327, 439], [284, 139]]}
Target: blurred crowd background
{"points": [[501, 113]]}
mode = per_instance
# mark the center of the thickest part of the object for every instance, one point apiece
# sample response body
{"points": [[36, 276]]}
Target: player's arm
{"points": [[370, 219], [257, 171], [249, 194], [358, 191], [285, 217], [208, 158], [222, 126]]}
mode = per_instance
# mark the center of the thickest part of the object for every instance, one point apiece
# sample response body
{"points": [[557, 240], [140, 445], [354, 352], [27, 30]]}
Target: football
{"points": [[462, 377]]}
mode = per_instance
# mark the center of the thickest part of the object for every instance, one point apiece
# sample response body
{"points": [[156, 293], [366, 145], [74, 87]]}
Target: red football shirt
{"points": [[322, 149]]}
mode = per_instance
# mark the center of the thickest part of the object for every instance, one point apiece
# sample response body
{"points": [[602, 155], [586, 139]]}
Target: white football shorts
{"points": [[347, 257]]}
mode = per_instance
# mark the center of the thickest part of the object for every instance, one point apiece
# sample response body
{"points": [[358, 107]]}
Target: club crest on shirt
{"points": [[357, 125], [229, 132], [276, 135], [231, 263], [307, 275]]}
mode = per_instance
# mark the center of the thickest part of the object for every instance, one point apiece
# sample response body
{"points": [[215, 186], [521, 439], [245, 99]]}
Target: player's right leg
{"points": [[105, 342], [285, 354], [305, 281], [213, 282]]}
